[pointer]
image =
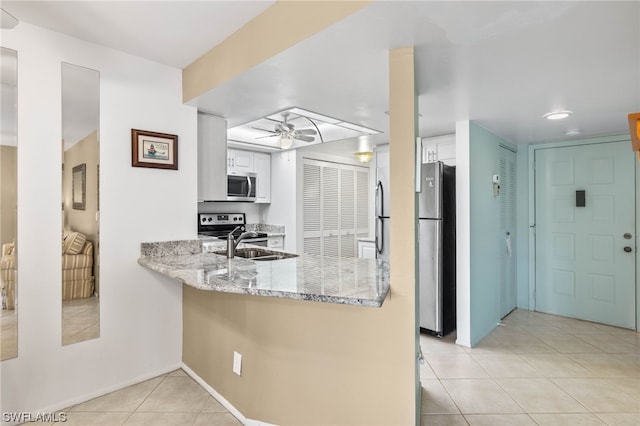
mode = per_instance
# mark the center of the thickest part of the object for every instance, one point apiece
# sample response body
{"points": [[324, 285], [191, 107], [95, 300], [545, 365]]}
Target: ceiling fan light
{"points": [[285, 141]]}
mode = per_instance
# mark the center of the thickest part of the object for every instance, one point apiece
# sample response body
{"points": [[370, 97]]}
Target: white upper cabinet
{"points": [[262, 167], [239, 161], [212, 151], [439, 148]]}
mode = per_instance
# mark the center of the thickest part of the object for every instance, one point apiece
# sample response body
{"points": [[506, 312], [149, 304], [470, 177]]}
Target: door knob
{"points": [[628, 249], [627, 236]]}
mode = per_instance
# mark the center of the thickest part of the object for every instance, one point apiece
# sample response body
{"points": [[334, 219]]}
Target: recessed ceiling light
{"points": [[557, 115], [572, 132]]}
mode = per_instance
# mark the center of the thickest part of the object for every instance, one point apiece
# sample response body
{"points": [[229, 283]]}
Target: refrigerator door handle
{"points": [[379, 199], [379, 235]]}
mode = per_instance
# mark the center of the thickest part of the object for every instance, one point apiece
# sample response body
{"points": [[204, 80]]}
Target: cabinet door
{"points": [[212, 150], [240, 161], [275, 242], [439, 148], [366, 250], [262, 165]]}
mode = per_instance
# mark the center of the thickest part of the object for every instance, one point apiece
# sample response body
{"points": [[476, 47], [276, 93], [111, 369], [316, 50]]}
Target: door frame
{"points": [[516, 228], [622, 137]]}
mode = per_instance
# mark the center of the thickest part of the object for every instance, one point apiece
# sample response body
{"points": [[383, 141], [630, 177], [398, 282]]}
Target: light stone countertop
{"points": [[350, 281]]}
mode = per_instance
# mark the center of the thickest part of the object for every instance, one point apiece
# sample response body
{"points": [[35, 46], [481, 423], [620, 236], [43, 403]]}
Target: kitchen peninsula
{"points": [[291, 349], [350, 281]]}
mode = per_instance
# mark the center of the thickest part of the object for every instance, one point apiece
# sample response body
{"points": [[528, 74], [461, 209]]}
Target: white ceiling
{"points": [[174, 33], [501, 64]]}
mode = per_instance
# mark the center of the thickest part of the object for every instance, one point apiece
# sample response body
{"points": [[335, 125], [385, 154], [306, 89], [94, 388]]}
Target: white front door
{"points": [[585, 255]]}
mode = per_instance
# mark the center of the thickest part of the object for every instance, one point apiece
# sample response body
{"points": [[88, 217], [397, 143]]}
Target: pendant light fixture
{"points": [[365, 152]]}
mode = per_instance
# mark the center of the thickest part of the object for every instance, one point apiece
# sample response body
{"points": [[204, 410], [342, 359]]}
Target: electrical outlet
{"points": [[237, 363]]}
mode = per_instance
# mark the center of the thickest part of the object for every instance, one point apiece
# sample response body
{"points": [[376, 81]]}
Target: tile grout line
{"points": [[135, 410]]}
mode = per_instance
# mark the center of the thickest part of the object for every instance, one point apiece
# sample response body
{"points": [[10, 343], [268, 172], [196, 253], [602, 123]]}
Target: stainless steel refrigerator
{"points": [[382, 205], [437, 248]]}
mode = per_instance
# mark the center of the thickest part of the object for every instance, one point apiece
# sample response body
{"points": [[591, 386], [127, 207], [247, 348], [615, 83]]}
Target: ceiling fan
{"points": [[287, 133]]}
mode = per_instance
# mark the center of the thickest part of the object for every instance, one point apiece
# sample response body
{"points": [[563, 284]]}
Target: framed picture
{"points": [[79, 186], [155, 150]]}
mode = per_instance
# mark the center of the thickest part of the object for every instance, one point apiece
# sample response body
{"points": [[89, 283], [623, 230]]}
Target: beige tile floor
{"points": [[8, 333], [170, 399], [80, 320], [535, 369]]}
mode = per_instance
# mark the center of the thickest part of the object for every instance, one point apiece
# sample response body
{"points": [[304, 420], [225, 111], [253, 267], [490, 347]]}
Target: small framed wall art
{"points": [[79, 187], [154, 150]]}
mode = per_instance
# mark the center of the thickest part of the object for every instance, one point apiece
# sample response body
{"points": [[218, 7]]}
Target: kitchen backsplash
{"points": [[263, 227]]}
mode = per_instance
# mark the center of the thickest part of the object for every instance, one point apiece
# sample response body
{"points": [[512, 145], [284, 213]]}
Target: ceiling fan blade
{"points": [[268, 136], [264, 130], [306, 132], [304, 138]]}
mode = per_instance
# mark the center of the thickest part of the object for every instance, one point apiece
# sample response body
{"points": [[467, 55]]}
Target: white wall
{"points": [[141, 333]]}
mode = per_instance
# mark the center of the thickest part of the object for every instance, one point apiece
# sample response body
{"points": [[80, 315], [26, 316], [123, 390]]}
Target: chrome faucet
{"points": [[232, 243]]}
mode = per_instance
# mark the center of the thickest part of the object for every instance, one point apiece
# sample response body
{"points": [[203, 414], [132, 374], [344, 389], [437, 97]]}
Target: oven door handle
{"points": [[249, 191]]}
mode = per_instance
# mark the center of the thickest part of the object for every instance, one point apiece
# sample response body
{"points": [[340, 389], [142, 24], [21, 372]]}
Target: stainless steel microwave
{"points": [[241, 186]]}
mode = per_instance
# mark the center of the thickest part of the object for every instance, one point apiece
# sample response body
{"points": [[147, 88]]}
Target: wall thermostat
{"points": [[496, 179]]}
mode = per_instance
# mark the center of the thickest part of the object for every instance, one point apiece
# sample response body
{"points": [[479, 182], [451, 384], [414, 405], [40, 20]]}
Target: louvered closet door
{"points": [[330, 210], [362, 203], [335, 208], [312, 226], [347, 212], [507, 231]]}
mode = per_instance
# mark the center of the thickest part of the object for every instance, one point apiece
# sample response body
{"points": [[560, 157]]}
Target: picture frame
{"points": [[154, 150], [79, 187]]}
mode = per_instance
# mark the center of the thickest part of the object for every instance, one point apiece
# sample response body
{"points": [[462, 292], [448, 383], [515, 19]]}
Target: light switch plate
{"points": [[237, 363]]}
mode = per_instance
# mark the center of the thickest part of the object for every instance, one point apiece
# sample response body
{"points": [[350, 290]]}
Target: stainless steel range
{"points": [[220, 225]]}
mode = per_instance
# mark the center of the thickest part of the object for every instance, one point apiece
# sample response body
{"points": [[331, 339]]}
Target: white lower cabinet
{"points": [[366, 249], [275, 242]]}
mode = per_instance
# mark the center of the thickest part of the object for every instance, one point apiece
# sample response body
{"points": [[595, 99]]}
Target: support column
{"points": [[403, 125]]}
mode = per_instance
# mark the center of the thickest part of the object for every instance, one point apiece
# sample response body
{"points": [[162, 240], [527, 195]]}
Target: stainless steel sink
{"points": [[259, 254]]}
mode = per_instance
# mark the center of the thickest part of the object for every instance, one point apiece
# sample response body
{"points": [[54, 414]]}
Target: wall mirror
{"points": [[80, 206], [9, 204]]}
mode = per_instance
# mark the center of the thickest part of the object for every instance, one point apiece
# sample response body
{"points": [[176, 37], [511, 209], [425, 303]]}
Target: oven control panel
{"points": [[221, 219]]}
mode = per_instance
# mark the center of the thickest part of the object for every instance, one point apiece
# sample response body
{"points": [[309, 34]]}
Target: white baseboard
{"points": [[108, 389], [464, 343], [226, 404]]}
